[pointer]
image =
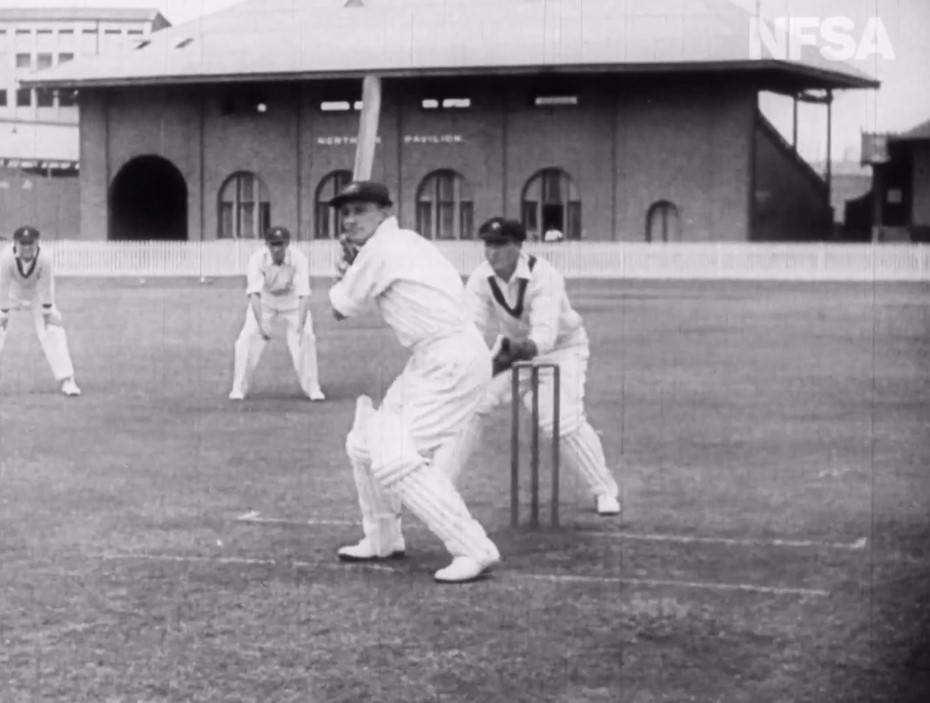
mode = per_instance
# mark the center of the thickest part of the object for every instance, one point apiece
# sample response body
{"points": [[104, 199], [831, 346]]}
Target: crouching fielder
{"points": [[397, 451], [278, 287], [27, 282], [525, 298]]}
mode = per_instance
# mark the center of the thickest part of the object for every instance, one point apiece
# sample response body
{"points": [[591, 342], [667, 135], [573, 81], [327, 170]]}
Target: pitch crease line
{"points": [[858, 545], [500, 578]]}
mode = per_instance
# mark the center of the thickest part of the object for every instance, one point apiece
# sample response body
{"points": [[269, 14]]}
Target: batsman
{"points": [[524, 297]]}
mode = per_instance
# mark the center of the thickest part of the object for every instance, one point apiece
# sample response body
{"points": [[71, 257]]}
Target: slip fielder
{"points": [[524, 298], [27, 282], [399, 452], [278, 287]]}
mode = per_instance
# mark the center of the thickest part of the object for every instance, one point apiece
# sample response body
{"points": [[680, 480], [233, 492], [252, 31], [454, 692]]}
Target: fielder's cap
{"points": [[364, 192], [500, 230], [26, 234], [277, 235]]}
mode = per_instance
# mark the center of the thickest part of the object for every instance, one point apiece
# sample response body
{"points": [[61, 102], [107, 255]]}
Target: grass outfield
{"points": [[771, 440]]}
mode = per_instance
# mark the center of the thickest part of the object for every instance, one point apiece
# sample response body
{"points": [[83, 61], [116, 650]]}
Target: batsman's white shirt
{"points": [[417, 290], [533, 305], [280, 285], [24, 282], [420, 296]]}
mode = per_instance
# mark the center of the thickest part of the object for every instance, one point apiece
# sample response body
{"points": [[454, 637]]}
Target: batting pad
{"points": [[584, 452], [430, 495]]}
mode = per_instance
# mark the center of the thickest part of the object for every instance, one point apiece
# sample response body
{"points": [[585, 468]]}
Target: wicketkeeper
{"points": [[524, 297]]}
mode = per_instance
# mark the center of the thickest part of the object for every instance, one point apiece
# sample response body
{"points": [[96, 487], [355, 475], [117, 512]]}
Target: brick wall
{"points": [[625, 145]]}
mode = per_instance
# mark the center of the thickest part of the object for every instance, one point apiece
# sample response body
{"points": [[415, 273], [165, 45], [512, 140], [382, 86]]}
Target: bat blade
{"points": [[367, 128]]}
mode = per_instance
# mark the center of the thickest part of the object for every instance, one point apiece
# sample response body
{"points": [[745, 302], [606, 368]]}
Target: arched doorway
{"points": [[148, 200], [551, 203], [663, 223]]}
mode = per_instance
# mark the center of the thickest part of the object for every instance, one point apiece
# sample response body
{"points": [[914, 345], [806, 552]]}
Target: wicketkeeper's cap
{"points": [[277, 235], [500, 230], [26, 234], [363, 192]]}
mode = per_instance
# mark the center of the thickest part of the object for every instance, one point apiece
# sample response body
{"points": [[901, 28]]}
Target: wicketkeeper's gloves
{"points": [[510, 352]]}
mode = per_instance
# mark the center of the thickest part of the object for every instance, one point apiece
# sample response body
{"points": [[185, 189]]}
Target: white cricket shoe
{"points": [[70, 388], [237, 395], [363, 551], [316, 394], [466, 569], [607, 505]]}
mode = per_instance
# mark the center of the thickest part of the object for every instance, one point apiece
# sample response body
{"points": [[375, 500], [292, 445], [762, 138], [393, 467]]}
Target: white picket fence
{"points": [[604, 260]]}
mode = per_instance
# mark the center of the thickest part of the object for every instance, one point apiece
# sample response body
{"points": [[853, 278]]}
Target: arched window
{"points": [[551, 203], [327, 223], [245, 209], [444, 206], [663, 223]]}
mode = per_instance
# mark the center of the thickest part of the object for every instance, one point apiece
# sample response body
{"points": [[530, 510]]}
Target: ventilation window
{"points": [[446, 103], [340, 105], [555, 100]]}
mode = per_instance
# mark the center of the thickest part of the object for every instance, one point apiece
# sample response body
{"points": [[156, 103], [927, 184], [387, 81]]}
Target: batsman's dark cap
{"points": [[500, 230], [25, 234], [277, 235], [363, 192]]}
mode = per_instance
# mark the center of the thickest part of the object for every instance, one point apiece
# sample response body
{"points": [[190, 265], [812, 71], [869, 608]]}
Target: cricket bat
{"points": [[367, 128]]}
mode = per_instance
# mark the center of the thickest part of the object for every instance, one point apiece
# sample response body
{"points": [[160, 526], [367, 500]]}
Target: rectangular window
{"points": [[3, 97], [23, 97], [43, 61], [467, 217], [529, 215], [45, 97], [446, 224], [67, 98], [573, 226], [425, 218], [66, 32], [22, 32], [65, 57], [23, 60]]}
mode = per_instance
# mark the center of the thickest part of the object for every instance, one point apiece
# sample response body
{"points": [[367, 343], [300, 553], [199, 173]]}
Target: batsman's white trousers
{"points": [[579, 444], [250, 344], [396, 450], [52, 339]]}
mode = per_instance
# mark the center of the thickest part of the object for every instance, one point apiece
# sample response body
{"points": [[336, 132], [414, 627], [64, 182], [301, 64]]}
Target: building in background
{"points": [[602, 119], [897, 206], [39, 136]]}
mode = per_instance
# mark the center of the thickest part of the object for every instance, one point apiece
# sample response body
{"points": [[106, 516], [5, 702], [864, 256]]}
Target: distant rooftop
{"points": [[81, 14], [918, 133], [305, 39]]}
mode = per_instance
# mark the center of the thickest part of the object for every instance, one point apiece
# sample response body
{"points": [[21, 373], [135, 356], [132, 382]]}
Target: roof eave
{"points": [[824, 78]]}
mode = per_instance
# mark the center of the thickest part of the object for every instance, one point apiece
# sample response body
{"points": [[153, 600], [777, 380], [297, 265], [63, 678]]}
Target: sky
{"points": [[902, 102]]}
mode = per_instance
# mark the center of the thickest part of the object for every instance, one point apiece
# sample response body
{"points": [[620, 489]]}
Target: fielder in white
{"points": [[27, 282], [401, 451], [524, 297], [278, 287]]}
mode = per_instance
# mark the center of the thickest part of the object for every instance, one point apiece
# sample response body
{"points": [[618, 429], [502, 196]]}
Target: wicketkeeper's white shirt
{"points": [[280, 285], [25, 282], [533, 305], [417, 290]]}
